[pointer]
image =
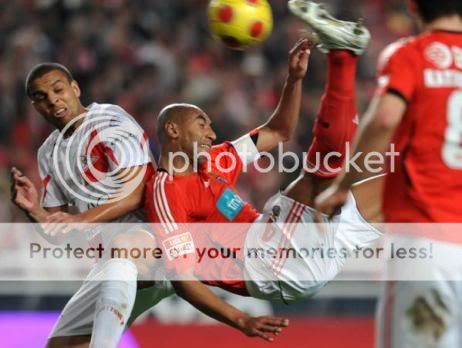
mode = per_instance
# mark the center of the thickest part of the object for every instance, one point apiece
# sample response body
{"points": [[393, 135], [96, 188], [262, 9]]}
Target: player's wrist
{"points": [[38, 214], [241, 321], [293, 79], [81, 218]]}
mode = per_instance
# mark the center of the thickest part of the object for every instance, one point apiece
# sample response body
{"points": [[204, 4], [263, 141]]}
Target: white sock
{"points": [[115, 303]]}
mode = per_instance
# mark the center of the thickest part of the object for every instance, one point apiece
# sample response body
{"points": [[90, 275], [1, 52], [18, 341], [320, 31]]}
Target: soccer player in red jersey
{"points": [[179, 194], [418, 107]]}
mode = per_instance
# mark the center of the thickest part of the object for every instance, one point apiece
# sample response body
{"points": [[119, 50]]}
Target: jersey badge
{"points": [[439, 54], [229, 204]]}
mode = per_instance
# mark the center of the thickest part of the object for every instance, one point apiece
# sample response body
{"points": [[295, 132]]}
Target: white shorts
{"points": [[422, 313], [291, 259], [76, 319], [77, 316]]}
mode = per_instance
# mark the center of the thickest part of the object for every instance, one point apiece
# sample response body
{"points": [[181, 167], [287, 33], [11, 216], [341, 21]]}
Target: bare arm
{"points": [[131, 198], [25, 196], [374, 135], [210, 304], [282, 123]]}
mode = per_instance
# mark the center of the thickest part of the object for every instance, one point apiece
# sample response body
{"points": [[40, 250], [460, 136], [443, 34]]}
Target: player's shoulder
{"points": [[112, 116], [411, 48], [163, 181], [107, 108], [404, 45], [108, 112], [167, 190], [45, 150], [225, 146]]}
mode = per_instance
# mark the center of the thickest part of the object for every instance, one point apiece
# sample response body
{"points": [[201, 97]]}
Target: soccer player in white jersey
{"points": [[96, 160]]}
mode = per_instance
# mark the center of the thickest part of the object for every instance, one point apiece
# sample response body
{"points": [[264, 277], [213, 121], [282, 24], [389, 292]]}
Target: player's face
{"points": [[197, 132], [55, 98]]}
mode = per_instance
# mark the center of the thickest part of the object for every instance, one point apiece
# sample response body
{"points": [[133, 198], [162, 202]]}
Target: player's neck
{"points": [[449, 23], [71, 129], [175, 164]]}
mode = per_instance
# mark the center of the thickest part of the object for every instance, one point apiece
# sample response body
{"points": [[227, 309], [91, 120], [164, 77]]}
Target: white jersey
{"points": [[83, 170]]}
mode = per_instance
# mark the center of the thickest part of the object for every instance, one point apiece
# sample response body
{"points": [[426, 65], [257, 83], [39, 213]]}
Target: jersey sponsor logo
{"points": [[230, 204], [439, 54], [179, 245]]}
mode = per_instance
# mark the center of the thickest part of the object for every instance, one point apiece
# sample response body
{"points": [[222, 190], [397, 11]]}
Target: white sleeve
{"points": [[246, 149], [52, 195]]}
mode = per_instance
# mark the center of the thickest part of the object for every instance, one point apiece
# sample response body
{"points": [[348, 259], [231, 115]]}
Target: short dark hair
{"points": [[172, 112], [43, 68], [430, 10]]}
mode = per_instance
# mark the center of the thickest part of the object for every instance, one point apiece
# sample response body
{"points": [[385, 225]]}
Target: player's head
{"points": [[429, 10], [54, 93], [185, 125]]}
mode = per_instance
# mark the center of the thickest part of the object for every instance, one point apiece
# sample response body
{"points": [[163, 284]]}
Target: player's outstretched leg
{"points": [[336, 121], [337, 118]]}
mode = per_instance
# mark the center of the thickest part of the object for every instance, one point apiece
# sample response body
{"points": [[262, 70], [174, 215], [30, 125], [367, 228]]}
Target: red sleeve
{"points": [[397, 70], [226, 162], [165, 209]]}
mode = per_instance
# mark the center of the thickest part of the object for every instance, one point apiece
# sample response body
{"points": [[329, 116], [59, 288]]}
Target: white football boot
{"points": [[333, 33]]}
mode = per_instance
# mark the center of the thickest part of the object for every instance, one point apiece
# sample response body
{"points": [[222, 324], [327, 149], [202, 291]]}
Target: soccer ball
{"points": [[240, 23]]}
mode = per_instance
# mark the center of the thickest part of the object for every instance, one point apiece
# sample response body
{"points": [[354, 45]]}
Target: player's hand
{"points": [[23, 192], [330, 201], [298, 59], [263, 326], [61, 223]]}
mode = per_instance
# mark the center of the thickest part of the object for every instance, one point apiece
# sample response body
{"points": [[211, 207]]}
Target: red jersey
{"points": [[204, 196], [426, 71]]}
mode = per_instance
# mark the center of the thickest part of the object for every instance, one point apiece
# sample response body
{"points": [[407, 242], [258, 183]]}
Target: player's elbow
{"points": [[284, 134], [385, 121], [387, 113]]}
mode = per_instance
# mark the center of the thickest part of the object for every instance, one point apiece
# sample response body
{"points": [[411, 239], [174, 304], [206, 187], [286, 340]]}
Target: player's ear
{"points": [[75, 87], [172, 130]]}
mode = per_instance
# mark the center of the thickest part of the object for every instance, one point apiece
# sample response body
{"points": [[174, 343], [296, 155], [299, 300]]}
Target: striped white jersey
{"points": [[84, 169]]}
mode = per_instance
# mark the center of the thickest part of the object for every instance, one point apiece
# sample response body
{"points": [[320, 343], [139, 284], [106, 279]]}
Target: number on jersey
{"points": [[452, 147]]}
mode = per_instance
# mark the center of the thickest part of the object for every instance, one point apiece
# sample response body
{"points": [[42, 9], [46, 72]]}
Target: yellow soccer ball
{"points": [[240, 23]]}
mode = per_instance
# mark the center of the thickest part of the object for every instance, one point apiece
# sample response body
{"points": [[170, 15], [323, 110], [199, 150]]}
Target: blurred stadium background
{"points": [[142, 55]]}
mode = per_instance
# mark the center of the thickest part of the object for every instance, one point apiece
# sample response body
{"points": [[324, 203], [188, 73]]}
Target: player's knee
{"points": [[138, 247]]}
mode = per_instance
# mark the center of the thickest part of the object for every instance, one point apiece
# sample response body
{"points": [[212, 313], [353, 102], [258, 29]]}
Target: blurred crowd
{"points": [[144, 54]]}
